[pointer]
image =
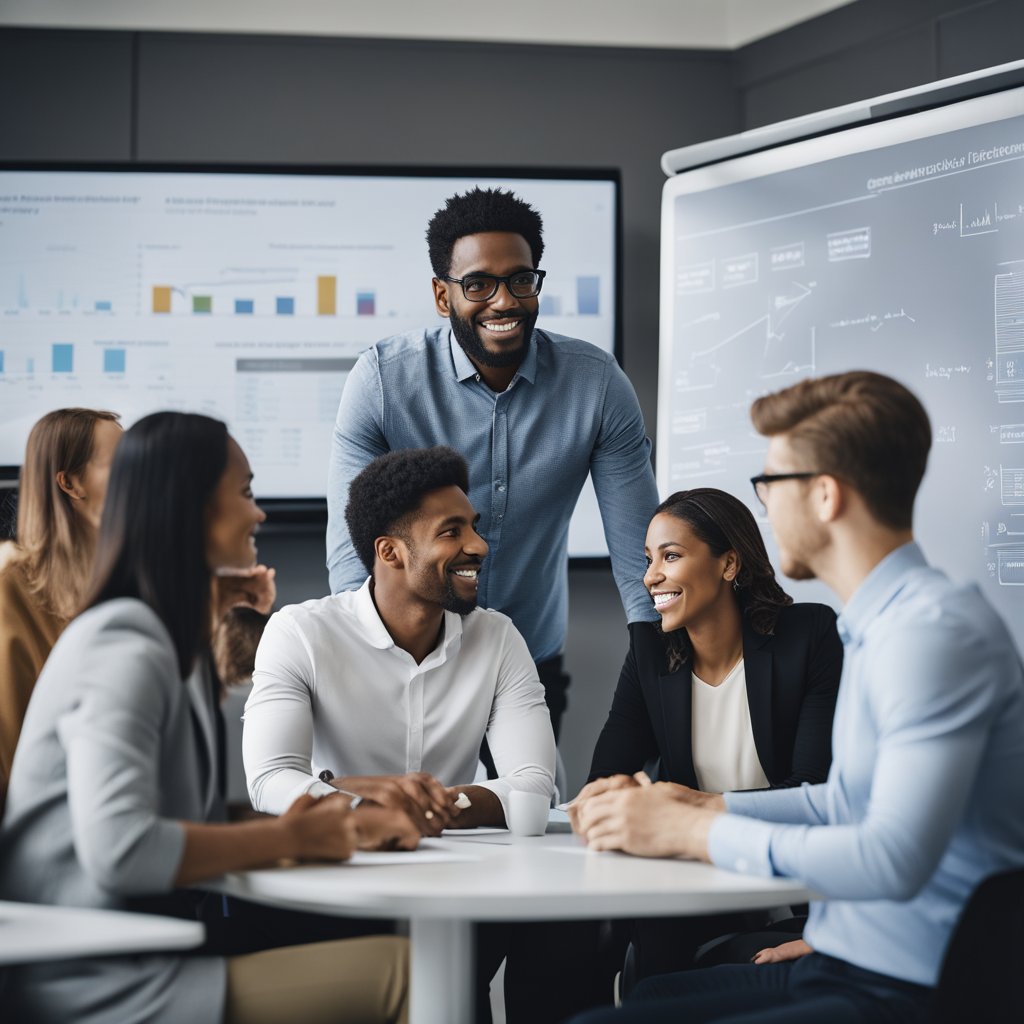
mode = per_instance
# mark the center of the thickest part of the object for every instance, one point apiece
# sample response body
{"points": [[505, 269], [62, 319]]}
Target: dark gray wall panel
{"points": [[300, 100], [65, 95], [871, 47], [856, 73], [992, 34], [843, 29]]}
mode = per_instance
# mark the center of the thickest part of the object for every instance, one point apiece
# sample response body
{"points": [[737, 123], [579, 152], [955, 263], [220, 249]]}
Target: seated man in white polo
{"points": [[385, 692]]}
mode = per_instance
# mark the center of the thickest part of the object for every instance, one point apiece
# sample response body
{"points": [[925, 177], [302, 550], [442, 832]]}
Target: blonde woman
{"points": [[44, 573]]}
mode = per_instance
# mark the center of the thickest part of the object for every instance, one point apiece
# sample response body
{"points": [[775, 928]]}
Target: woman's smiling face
{"points": [[686, 581], [233, 516]]}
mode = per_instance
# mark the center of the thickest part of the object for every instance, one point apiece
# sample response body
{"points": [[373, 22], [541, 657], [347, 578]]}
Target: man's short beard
{"points": [[465, 334], [453, 603]]}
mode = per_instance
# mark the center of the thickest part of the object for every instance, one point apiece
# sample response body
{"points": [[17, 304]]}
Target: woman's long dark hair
{"points": [[724, 523], [152, 542]]}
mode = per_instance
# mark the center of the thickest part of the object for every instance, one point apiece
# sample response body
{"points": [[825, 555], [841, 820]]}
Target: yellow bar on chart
{"points": [[326, 295], [161, 298]]}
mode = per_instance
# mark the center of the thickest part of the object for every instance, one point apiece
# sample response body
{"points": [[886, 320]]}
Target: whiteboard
{"points": [[896, 246]]}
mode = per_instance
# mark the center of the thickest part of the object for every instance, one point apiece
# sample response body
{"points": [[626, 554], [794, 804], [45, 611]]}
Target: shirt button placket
{"points": [[499, 467], [414, 737]]}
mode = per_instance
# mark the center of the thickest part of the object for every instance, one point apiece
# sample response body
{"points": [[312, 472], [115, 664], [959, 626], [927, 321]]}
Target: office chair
{"points": [[982, 978]]}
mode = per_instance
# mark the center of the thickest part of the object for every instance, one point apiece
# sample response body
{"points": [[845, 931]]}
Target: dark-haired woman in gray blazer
{"points": [[113, 798]]}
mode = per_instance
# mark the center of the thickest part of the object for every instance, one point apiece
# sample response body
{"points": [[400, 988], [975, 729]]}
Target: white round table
{"points": [[34, 932], [499, 878]]}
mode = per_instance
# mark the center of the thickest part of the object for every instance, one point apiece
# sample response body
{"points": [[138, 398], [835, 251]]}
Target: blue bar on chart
{"points": [[366, 303], [103, 306], [588, 296], [30, 366], [113, 360], [63, 358], [243, 305], [285, 305], [1, 360], [551, 305]]}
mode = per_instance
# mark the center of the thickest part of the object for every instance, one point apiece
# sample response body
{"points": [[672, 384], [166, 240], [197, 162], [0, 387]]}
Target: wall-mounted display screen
{"points": [[898, 247], [248, 295]]}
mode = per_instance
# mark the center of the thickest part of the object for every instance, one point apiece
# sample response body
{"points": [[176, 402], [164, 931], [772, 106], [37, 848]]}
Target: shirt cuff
{"points": [[319, 789], [643, 613], [309, 784], [158, 862], [501, 789], [741, 844]]}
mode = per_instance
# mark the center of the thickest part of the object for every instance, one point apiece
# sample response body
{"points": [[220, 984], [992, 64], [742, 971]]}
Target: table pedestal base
{"points": [[443, 977]]}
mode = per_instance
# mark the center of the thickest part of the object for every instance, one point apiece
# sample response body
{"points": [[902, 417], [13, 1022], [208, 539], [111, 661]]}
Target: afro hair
{"points": [[385, 494], [479, 210]]}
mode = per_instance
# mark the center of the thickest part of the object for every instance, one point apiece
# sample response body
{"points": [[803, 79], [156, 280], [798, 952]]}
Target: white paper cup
{"points": [[528, 813]]}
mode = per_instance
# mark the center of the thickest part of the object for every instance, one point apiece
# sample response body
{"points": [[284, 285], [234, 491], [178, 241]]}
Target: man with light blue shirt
{"points": [[531, 412], [924, 797]]}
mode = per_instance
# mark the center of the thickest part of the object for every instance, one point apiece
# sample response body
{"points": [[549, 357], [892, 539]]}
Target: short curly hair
{"points": [[478, 210], [384, 496]]}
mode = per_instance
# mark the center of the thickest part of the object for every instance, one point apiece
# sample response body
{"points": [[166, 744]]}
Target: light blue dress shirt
{"points": [[569, 411], [925, 796]]}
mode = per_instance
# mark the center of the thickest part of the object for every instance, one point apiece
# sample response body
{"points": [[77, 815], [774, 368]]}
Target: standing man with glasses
{"points": [[531, 412]]}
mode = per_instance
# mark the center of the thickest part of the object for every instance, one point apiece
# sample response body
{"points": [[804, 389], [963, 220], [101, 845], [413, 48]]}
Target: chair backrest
{"points": [[982, 977]]}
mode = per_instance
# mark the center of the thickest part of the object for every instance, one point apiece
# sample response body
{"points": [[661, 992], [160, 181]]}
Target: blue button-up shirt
{"points": [[569, 411], [925, 796]]}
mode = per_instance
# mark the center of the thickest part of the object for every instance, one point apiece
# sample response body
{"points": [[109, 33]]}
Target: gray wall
{"points": [[179, 97], [175, 97], [263, 99], [869, 48]]}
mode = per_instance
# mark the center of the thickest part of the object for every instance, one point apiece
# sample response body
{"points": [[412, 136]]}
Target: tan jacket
{"points": [[27, 634]]}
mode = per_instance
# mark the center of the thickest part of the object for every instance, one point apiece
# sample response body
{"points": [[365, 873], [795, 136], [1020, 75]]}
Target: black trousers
{"points": [[664, 945], [556, 686], [814, 989], [553, 969], [236, 927]]}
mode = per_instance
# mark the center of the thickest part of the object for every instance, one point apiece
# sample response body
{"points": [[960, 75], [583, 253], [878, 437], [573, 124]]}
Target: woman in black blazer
{"points": [[723, 615]]}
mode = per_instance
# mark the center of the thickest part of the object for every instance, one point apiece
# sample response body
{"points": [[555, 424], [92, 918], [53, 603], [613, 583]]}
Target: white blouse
{"points": [[724, 755]]}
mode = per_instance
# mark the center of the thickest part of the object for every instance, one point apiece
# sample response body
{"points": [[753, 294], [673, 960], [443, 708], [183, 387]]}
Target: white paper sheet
{"points": [[483, 830], [426, 854]]}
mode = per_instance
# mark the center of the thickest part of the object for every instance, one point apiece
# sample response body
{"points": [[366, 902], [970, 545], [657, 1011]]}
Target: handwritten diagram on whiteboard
{"points": [[897, 247]]}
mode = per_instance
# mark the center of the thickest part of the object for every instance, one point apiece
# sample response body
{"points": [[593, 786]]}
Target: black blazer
{"points": [[792, 681]]}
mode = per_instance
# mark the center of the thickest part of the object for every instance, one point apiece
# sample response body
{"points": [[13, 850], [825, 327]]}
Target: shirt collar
{"points": [[374, 630], [878, 588], [377, 635], [464, 368]]}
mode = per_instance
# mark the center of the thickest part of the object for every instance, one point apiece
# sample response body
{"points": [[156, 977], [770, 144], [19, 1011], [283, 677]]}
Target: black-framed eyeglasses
{"points": [[480, 287], [760, 483]]}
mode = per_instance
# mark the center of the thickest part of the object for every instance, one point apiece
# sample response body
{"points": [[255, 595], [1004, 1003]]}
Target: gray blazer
{"points": [[114, 752]]}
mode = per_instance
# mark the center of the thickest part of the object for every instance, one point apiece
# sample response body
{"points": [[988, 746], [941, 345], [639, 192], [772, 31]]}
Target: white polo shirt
{"points": [[332, 690]]}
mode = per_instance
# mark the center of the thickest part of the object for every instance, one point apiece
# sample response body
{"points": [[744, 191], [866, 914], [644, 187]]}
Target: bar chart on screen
{"points": [[248, 296]]}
